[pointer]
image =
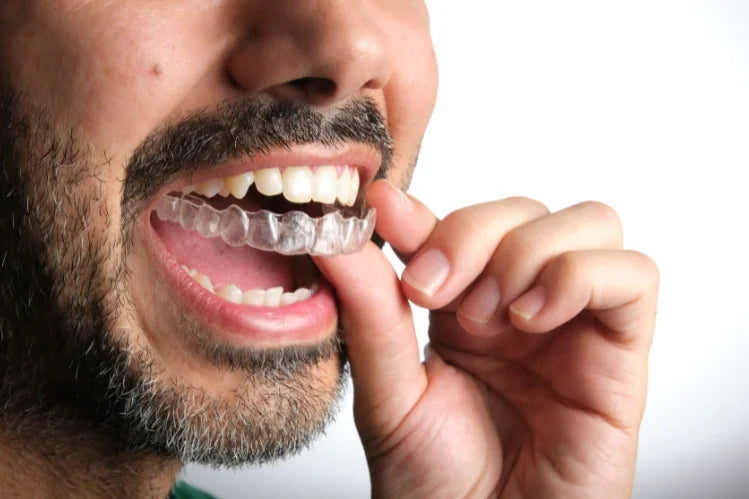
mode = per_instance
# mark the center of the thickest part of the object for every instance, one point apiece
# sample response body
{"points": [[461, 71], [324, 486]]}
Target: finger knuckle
{"points": [[529, 204], [649, 268], [566, 267], [517, 252], [517, 243], [602, 211], [465, 221]]}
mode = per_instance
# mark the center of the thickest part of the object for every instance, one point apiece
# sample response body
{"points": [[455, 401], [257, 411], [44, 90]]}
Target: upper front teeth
{"points": [[298, 184]]}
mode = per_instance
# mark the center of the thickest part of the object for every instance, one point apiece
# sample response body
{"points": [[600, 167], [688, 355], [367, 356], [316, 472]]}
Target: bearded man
{"points": [[189, 189]]}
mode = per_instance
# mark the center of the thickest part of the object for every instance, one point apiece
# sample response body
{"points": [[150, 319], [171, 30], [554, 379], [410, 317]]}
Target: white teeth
{"points": [[302, 294], [225, 191], [344, 188], [239, 184], [254, 297], [210, 188], [269, 181], [325, 185], [231, 293], [354, 188], [273, 297], [297, 184], [204, 281], [287, 299]]}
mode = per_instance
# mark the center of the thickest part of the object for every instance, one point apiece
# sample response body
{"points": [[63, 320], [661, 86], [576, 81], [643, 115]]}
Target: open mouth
{"points": [[247, 238]]}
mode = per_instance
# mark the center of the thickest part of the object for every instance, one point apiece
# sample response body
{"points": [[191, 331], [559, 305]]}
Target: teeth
{"points": [[225, 191], [239, 184], [254, 297], [302, 294], [273, 297], [231, 293], [204, 281], [344, 188], [210, 188], [354, 188], [325, 185], [287, 298], [269, 181], [298, 184]]}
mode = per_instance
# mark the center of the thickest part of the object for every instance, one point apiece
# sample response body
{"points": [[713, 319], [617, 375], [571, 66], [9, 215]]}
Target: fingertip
{"points": [[527, 308], [476, 327], [340, 267], [530, 304], [402, 221], [482, 301], [383, 194]]}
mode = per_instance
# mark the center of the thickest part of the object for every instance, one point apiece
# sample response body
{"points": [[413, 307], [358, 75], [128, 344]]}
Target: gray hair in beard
{"points": [[64, 367]]}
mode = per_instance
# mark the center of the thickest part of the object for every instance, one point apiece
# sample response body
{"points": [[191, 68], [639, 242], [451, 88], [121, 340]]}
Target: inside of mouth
{"points": [[244, 267], [254, 250]]}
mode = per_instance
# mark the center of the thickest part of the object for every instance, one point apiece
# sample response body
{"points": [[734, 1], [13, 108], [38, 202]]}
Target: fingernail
{"points": [[482, 302], [530, 304], [428, 271]]}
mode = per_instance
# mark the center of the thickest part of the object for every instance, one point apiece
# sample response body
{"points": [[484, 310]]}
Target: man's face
{"points": [[108, 107]]}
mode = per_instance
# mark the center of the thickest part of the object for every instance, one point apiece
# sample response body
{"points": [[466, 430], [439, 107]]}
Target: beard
{"points": [[69, 362]]}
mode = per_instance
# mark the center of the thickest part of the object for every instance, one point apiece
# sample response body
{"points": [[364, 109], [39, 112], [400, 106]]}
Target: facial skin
{"points": [[95, 93], [116, 364]]}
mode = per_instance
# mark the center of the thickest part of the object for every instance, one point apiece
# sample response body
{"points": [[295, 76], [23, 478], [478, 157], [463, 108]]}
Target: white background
{"points": [[643, 105]]}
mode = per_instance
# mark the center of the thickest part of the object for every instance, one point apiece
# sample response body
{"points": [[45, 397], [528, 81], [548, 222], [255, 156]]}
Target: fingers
{"points": [[619, 287], [509, 241], [402, 220], [459, 247], [526, 250], [410, 227], [481, 259], [378, 330]]}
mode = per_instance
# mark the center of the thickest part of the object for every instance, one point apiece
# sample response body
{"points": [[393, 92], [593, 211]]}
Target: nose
{"points": [[321, 51]]}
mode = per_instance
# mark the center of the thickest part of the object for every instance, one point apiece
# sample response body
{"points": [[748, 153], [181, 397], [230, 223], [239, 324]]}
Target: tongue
{"points": [[245, 267]]}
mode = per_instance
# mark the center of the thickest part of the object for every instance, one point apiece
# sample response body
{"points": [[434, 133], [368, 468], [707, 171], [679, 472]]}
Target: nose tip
{"points": [[321, 54]]}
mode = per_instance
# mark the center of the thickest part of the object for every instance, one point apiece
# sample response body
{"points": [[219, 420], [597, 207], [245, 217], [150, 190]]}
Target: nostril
{"points": [[315, 88]]}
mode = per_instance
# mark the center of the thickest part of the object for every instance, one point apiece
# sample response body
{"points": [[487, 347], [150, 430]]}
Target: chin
{"points": [[204, 335], [239, 339]]}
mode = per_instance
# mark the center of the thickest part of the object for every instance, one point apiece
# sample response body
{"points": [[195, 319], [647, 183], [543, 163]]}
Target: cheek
{"points": [[123, 88], [410, 98], [110, 74], [113, 72]]}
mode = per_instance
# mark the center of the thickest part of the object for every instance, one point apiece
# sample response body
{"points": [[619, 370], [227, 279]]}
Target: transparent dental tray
{"points": [[291, 233]]}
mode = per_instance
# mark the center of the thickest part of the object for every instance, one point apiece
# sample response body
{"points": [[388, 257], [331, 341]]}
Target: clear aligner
{"points": [[291, 233]]}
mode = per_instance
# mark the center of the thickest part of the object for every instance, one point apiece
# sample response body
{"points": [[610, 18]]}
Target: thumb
{"points": [[379, 334]]}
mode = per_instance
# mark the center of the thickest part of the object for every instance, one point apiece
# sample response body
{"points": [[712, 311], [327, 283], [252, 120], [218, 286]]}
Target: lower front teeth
{"points": [[292, 233], [273, 297]]}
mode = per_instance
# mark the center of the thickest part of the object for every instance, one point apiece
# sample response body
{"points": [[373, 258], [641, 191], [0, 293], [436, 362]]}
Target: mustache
{"points": [[242, 129]]}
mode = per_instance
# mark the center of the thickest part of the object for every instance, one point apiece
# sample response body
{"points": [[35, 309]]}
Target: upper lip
{"points": [[362, 157]]}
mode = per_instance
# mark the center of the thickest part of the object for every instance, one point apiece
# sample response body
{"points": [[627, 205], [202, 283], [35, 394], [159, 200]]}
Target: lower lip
{"points": [[304, 322]]}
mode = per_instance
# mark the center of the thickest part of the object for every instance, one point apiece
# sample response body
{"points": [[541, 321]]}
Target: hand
{"points": [[535, 379]]}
